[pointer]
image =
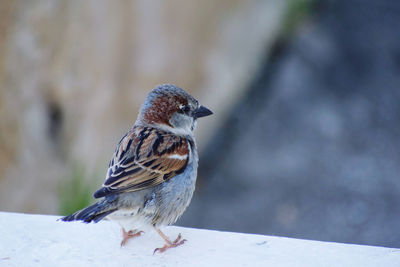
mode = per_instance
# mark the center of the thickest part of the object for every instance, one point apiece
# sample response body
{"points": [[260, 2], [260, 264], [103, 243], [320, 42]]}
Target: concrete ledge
{"points": [[38, 240]]}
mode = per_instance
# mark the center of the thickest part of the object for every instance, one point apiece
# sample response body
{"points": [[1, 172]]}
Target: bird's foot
{"points": [[177, 242], [128, 235]]}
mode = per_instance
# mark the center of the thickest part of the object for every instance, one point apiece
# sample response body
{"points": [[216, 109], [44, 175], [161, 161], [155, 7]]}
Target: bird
{"points": [[152, 174]]}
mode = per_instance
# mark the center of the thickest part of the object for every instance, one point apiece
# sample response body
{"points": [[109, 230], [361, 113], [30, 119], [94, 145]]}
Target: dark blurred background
{"points": [[305, 138]]}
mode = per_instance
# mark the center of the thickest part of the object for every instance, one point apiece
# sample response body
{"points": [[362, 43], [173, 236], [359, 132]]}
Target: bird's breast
{"points": [[173, 196]]}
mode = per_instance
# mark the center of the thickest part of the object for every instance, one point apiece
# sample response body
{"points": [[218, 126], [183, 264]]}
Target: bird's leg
{"points": [[169, 243], [128, 235]]}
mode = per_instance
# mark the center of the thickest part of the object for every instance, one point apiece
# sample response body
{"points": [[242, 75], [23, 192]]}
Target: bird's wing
{"points": [[145, 157]]}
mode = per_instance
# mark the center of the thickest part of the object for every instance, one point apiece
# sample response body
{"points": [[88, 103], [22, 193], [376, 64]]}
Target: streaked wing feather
{"points": [[145, 157]]}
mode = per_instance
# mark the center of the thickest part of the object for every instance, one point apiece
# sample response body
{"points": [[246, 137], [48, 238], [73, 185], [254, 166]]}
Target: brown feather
{"points": [[146, 157]]}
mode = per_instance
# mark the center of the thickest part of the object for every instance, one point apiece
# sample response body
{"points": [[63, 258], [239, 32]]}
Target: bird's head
{"points": [[170, 108]]}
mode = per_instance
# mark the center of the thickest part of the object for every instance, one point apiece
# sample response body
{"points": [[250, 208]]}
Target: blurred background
{"points": [[304, 141]]}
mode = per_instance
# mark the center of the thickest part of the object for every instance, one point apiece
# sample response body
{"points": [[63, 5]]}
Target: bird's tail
{"points": [[94, 213]]}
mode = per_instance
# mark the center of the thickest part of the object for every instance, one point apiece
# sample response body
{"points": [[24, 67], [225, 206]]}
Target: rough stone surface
{"points": [[37, 240]]}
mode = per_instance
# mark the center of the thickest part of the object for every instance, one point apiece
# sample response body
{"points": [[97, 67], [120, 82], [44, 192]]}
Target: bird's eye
{"points": [[184, 108]]}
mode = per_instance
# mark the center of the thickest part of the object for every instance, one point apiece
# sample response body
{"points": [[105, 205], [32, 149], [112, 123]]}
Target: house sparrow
{"points": [[151, 177]]}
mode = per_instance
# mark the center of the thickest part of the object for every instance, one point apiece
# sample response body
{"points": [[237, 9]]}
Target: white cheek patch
{"points": [[194, 125], [177, 131], [176, 156]]}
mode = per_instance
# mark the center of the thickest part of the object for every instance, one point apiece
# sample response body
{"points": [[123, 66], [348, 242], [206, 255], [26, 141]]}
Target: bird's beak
{"points": [[202, 111]]}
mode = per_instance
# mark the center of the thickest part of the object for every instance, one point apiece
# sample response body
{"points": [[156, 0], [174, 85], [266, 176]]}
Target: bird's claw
{"points": [[128, 235], [177, 242]]}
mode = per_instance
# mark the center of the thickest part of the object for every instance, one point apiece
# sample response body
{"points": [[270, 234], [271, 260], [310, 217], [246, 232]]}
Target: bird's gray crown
{"points": [[168, 90]]}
